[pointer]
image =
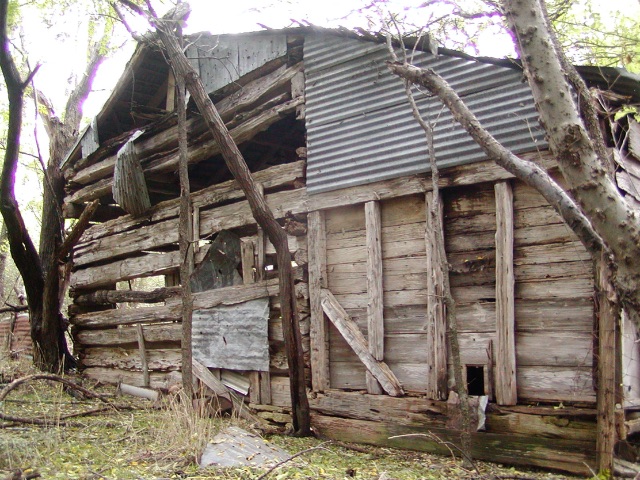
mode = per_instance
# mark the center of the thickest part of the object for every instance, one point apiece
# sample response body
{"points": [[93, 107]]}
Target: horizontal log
{"points": [[106, 297], [403, 410], [159, 380], [159, 360], [555, 348], [278, 176], [244, 99], [546, 426], [145, 265], [166, 232], [573, 456], [162, 332], [173, 311], [555, 384]]}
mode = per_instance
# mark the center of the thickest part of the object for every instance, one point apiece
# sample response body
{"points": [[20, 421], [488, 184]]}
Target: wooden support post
{"points": [[254, 388], [505, 390], [261, 246], [436, 315], [375, 306], [265, 388], [606, 394], [195, 229], [247, 252], [170, 105], [354, 337], [143, 355], [319, 333]]}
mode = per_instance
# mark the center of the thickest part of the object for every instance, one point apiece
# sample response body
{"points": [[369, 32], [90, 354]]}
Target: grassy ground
{"points": [[141, 442]]}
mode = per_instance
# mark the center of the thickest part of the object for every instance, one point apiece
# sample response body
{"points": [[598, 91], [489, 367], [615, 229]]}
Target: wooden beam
{"points": [[436, 316], [375, 305], [319, 334], [506, 391], [107, 297], [261, 257], [607, 357], [247, 249], [201, 151], [354, 337], [143, 355]]}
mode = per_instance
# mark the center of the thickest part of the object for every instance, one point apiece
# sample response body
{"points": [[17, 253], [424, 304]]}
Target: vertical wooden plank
{"points": [[265, 388], [607, 359], [247, 251], [254, 388], [143, 354], [170, 105], [505, 388], [319, 333], [261, 246], [375, 322], [436, 315], [195, 230]]}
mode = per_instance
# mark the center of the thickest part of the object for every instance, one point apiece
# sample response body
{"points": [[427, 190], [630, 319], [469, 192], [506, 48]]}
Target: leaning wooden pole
{"points": [[185, 237], [263, 216]]}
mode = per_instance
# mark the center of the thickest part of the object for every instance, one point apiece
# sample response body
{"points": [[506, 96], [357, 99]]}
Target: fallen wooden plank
{"points": [[352, 334]]}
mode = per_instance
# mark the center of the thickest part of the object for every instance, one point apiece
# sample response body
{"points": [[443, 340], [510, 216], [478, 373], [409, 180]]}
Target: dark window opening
{"points": [[475, 380]]}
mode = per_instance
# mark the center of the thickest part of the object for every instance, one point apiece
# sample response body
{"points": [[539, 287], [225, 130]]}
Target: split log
{"points": [[572, 456], [107, 297], [279, 176]]}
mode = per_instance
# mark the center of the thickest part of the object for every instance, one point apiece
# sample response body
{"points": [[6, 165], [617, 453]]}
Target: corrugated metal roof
{"points": [[223, 59], [360, 128]]}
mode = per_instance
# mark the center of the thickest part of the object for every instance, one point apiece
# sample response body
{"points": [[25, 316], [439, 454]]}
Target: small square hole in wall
{"points": [[475, 380]]}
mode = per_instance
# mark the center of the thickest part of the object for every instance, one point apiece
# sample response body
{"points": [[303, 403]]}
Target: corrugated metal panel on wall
{"points": [[360, 128], [222, 59]]}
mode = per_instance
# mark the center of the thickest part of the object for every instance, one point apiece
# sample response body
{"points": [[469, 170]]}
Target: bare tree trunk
{"points": [[3, 259], [40, 274], [22, 248], [261, 211]]}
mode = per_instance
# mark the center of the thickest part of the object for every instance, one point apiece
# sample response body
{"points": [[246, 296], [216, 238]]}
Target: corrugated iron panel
{"points": [[360, 128], [223, 59]]}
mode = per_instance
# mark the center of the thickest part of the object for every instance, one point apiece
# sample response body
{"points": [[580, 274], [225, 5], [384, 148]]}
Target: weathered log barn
{"points": [[329, 135]]}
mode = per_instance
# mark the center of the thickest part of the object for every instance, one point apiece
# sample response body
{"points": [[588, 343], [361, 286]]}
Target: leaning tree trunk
{"points": [[261, 212], [47, 330], [22, 249], [585, 172]]}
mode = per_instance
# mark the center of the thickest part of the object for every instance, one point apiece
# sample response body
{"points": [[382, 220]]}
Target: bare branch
{"points": [[78, 229], [528, 172]]}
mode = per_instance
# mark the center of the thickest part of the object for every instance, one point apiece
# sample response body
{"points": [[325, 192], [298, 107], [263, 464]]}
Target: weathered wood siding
{"points": [[553, 292], [404, 289], [554, 304]]}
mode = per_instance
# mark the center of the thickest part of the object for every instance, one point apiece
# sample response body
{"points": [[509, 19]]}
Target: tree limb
{"points": [[78, 229], [524, 170]]}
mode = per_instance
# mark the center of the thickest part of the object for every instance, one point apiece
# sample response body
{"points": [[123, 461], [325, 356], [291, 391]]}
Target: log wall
{"points": [[106, 323]]}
